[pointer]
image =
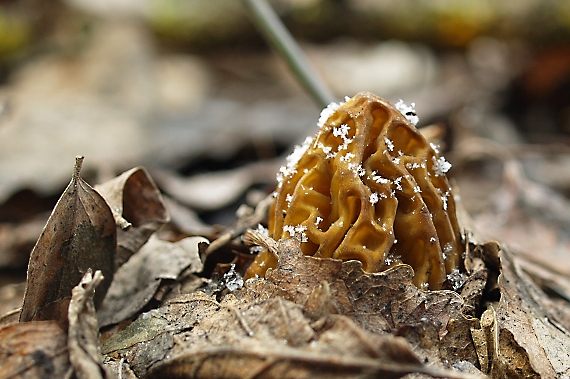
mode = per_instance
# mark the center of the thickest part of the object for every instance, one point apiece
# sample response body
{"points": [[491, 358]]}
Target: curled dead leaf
{"points": [[137, 207]]}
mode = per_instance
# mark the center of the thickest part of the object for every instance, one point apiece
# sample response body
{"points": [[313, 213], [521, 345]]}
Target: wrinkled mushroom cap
{"points": [[368, 187]]}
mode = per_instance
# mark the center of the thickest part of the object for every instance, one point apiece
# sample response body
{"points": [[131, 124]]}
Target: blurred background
{"points": [[190, 90]]}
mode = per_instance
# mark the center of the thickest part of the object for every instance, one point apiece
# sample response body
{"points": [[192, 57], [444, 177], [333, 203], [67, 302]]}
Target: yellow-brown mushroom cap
{"points": [[368, 187]]}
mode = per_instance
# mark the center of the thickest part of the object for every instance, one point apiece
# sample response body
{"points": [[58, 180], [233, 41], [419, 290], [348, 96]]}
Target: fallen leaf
{"points": [[185, 219], [215, 190], [83, 334], [33, 350], [527, 337], [120, 370], [138, 209], [379, 302], [520, 336], [79, 235], [137, 281], [196, 336], [474, 285]]}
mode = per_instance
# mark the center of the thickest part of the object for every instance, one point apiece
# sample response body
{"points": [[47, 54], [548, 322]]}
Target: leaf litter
{"points": [[309, 316]]}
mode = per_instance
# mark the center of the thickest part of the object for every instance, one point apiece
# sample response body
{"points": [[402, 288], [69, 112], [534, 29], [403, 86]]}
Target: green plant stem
{"points": [[281, 40]]}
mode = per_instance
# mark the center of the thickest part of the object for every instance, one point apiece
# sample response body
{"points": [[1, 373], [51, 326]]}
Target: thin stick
{"points": [[281, 40]]}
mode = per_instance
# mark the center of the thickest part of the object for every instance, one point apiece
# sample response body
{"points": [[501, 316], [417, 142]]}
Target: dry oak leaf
{"points": [[79, 235], [202, 338], [379, 302], [138, 208]]}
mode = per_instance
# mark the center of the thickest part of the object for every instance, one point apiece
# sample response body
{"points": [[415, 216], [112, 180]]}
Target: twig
{"points": [[242, 225], [281, 40]]}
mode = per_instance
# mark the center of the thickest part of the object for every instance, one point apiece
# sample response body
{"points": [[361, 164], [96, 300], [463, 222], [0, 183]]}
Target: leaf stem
{"points": [[77, 167], [281, 40]]}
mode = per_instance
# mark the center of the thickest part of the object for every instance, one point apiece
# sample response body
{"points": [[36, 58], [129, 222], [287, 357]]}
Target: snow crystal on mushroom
{"points": [[327, 112], [408, 111], [389, 143], [440, 166], [291, 168]]}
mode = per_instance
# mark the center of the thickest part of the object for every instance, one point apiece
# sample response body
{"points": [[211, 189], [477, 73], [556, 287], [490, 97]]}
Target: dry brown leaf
{"points": [[282, 326], [79, 235], [138, 209], [83, 335], [379, 302], [520, 336], [186, 220], [33, 350], [476, 282], [137, 281], [528, 336], [195, 336], [215, 190]]}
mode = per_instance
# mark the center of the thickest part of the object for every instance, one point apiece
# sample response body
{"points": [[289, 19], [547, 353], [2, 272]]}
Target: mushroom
{"points": [[368, 187]]}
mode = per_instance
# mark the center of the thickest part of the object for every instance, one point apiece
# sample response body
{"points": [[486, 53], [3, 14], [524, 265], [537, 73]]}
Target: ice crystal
{"points": [[341, 131], [262, 230], [398, 184], [389, 143], [440, 166], [456, 279], [292, 160], [434, 147], [408, 111], [326, 113], [300, 231], [289, 229], [357, 169], [414, 165], [373, 198], [379, 179], [296, 231], [325, 149], [232, 279], [347, 157], [444, 199]]}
